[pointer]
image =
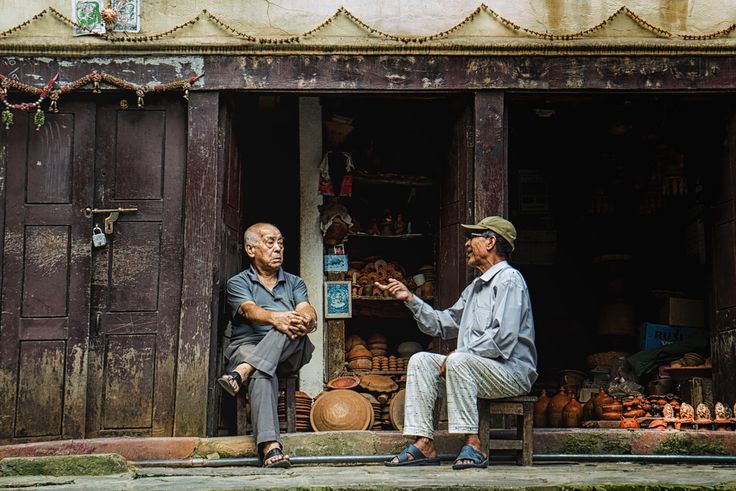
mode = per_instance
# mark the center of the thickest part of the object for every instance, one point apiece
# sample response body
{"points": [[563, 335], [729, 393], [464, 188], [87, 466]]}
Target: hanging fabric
{"points": [[326, 186]]}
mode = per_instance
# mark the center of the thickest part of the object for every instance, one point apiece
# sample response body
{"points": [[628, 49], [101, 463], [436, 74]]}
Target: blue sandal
{"points": [[418, 458], [480, 461]]}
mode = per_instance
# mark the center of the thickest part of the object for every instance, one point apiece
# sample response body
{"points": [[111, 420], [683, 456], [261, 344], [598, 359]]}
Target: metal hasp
{"points": [[112, 215]]}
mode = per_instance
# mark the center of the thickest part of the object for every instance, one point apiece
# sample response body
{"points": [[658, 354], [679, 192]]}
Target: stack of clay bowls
{"points": [[359, 358], [377, 425], [377, 344], [389, 363], [303, 408]]}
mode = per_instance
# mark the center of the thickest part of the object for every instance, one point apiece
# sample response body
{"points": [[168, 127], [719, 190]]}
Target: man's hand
{"points": [[291, 323], [443, 366], [397, 289]]}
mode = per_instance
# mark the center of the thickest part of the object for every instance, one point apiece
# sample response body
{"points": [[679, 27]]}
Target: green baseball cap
{"points": [[501, 226]]}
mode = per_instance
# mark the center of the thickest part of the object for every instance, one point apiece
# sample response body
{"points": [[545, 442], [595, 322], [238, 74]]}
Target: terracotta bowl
{"points": [[358, 351], [341, 410], [360, 364], [378, 383], [345, 382], [396, 410]]}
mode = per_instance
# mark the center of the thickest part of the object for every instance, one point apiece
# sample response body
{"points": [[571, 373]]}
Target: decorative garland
{"points": [[123, 37], [94, 78]]}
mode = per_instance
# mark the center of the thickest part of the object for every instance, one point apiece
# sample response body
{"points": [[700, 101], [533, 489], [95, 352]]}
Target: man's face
{"points": [[478, 250], [269, 251]]}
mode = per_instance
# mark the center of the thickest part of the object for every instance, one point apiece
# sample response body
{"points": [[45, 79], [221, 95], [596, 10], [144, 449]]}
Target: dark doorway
{"points": [[613, 198]]}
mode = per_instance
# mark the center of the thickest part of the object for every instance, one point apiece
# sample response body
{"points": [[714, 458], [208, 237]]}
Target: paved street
{"points": [[547, 476]]}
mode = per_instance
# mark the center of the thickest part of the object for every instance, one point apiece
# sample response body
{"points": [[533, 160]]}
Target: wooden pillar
{"points": [[490, 176], [201, 251]]}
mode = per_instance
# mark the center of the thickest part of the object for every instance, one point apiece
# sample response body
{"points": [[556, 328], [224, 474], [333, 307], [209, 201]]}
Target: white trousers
{"points": [[467, 377]]}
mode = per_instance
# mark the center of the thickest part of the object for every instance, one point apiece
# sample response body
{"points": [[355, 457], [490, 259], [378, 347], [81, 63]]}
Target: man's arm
{"points": [[309, 314], [289, 322], [443, 323]]}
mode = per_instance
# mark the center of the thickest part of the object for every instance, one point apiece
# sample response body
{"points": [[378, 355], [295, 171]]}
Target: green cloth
{"points": [[644, 361]]}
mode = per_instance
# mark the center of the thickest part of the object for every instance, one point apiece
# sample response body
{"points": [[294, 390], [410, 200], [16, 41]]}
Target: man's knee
{"points": [[457, 360], [420, 360]]}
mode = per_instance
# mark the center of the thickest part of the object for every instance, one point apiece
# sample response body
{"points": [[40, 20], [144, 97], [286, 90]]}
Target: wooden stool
{"points": [[523, 408], [288, 384]]}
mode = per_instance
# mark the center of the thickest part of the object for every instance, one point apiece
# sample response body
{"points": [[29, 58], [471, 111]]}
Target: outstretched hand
{"points": [[396, 289]]}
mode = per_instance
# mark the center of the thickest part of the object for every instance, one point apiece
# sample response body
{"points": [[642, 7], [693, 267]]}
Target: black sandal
{"points": [[283, 463], [224, 382]]}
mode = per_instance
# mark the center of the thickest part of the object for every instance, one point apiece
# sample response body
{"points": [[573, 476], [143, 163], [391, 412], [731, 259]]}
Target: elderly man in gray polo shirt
{"points": [[495, 355], [271, 317]]}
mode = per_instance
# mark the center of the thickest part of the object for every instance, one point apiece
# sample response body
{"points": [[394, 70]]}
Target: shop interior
{"points": [[610, 195], [397, 147], [611, 198]]}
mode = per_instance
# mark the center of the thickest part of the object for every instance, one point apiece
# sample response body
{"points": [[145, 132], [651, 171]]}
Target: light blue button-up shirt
{"points": [[492, 318]]}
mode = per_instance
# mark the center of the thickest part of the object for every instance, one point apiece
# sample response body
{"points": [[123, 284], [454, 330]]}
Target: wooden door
{"points": [[46, 274], [723, 330], [455, 208], [136, 281]]}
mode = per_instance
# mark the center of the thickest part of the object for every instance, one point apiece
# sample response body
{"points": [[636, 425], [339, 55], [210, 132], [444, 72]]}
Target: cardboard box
{"points": [[658, 335], [678, 311]]}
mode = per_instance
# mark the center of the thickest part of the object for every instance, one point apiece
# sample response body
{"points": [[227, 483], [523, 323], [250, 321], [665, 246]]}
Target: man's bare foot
{"points": [[425, 445], [267, 447], [473, 441], [244, 370]]}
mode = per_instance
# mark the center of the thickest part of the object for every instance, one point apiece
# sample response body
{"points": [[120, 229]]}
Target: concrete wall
{"points": [[310, 246]]}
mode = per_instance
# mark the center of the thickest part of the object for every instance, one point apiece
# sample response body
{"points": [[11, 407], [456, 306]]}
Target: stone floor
{"points": [[547, 476]]}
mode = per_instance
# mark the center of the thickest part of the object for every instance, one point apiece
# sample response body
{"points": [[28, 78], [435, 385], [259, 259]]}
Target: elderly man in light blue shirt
{"points": [[495, 355]]}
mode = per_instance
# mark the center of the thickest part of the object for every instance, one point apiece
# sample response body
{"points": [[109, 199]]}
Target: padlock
{"points": [[99, 239]]}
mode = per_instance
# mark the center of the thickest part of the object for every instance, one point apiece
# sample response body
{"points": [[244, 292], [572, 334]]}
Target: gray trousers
{"points": [[272, 356], [467, 377]]}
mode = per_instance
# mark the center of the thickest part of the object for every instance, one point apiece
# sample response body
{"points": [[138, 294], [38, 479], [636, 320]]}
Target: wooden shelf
{"points": [[391, 178], [362, 235], [376, 372]]}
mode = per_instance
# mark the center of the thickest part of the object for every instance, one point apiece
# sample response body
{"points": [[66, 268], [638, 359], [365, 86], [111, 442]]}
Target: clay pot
{"points": [[572, 414], [358, 351], [360, 364], [352, 341], [629, 423], [600, 400], [611, 416], [589, 410], [616, 407], [540, 410], [555, 407], [341, 410]]}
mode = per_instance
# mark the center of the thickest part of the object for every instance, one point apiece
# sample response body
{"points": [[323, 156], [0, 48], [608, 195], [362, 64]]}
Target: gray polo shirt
{"points": [[492, 318], [290, 291]]}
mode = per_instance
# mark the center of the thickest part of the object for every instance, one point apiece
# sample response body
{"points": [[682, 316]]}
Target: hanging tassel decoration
{"points": [[325, 183], [7, 118], [39, 118], [141, 93], [346, 186]]}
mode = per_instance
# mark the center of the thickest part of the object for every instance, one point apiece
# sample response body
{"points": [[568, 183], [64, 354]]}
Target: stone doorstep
{"points": [[546, 441], [65, 465]]}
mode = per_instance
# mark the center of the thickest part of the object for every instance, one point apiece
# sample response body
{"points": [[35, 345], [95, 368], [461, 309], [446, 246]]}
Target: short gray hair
{"points": [[503, 248], [252, 234]]}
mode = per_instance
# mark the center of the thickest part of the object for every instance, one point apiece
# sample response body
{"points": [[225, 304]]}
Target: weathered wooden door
{"points": [[455, 208], [723, 330], [46, 274], [136, 279]]}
